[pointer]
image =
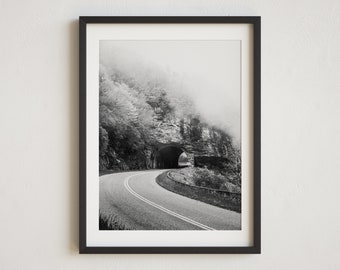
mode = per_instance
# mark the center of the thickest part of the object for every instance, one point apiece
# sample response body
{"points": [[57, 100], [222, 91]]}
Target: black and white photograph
{"points": [[169, 135], [169, 116]]}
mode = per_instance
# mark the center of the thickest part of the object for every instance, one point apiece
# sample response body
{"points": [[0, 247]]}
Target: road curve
{"points": [[142, 204]]}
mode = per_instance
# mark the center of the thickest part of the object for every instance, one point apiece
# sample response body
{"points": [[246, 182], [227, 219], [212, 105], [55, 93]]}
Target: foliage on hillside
{"points": [[125, 123], [204, 177]]}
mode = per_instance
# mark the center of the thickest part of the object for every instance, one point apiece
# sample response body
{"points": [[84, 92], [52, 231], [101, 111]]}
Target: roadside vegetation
{"points": [[206, 178], [203, 185], [111, 222]]}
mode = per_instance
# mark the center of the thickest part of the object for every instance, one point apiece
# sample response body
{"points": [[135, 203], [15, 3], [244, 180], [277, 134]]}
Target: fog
{"points": [[208, 72]]}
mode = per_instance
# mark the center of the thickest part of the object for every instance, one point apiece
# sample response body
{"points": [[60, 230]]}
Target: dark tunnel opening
{"points": [[167, 157]]}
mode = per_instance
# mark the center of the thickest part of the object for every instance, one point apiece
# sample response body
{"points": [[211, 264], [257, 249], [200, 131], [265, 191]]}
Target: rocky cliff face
{"points": [[194, 136]]}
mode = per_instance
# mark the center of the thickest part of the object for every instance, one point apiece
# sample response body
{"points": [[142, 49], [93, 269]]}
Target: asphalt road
{"points": [[142, 204]]}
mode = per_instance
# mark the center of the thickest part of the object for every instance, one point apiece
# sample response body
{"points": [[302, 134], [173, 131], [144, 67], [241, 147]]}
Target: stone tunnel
{"points": [[170, 156]]}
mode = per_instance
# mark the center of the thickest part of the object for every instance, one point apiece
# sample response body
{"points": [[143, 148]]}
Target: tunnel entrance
{"points": [[167, 157]]}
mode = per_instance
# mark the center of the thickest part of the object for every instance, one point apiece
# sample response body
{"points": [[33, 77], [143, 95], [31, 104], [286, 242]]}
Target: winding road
{"points": [[142, 204]]}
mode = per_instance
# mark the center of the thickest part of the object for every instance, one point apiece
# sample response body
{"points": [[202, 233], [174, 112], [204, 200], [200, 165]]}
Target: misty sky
{"points": [[210, 71]]}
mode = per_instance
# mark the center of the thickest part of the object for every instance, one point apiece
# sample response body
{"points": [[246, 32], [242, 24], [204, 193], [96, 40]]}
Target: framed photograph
{"points": [[169, 135]]}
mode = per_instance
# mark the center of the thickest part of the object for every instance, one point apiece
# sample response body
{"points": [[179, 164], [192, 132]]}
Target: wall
{"points": [[39, 134]]}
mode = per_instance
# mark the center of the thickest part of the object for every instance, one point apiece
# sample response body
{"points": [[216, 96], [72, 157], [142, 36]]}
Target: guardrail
{"points": [[221, 198], [208, 189]]}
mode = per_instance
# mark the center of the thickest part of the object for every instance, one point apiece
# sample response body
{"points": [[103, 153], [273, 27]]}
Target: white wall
{"points": [[39, 134]]}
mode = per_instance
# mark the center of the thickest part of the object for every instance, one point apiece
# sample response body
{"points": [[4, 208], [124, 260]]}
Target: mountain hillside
{"points": [[140, 112]]}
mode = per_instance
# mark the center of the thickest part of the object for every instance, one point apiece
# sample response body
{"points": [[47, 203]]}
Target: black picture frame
{"points": [[255, 21]]}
